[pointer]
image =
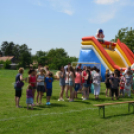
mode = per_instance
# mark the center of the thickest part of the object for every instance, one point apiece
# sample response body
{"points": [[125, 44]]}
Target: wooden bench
{"points": [[102, 106]]}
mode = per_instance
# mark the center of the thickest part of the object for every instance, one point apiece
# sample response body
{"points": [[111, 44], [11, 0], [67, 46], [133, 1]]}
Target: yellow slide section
{"points": [[116, 58]]}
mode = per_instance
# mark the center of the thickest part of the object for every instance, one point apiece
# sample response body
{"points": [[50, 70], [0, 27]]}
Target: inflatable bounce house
{"points": [[110, 55]]}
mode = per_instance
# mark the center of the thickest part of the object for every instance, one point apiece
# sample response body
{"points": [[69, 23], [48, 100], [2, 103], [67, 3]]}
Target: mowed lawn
{"points": [[79, 117]]}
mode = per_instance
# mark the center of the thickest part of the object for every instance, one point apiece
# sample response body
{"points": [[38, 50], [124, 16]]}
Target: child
{"points": [[122, 85], [29, 99], [40, 86], [78, 80], [114, 81], [48, 87], [129, 81], [32, 80]]}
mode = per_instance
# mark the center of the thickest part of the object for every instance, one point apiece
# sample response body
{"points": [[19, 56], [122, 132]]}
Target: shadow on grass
{"points": [[34, 108], [100, 99], [52, 105], [84, 102], [52, 97], [119, 115]]}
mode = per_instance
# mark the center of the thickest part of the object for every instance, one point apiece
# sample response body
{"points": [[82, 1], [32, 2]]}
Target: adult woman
{"points": [[70, 75], [78, 80], [129, 81], [40, 86], [97, 82], [107, 83], [86, 85], [18, 86], [62, 82], [47, 70]]}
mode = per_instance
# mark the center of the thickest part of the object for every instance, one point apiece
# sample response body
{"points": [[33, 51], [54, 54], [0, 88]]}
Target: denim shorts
{"points": [[77, 86], [86, 85], [29, 100], [71, 83]]}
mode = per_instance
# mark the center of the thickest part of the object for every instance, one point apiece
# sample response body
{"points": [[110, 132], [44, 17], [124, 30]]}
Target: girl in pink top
{"points": [[32, 81], [78, 80]]}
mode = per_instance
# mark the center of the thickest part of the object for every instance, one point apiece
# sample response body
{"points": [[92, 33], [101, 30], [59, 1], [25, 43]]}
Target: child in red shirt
{"points": [[122, 85]]}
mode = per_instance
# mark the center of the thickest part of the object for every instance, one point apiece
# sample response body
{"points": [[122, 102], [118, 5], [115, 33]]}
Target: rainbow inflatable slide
{"points": [[111, 55]]}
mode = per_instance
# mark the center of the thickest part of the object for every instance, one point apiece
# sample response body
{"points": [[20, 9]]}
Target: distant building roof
{"points": [[6, 58]]}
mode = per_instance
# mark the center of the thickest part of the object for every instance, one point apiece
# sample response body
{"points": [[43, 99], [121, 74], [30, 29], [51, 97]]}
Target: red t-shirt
{"points": [[84, 74], [122, 85], [32, 79]]}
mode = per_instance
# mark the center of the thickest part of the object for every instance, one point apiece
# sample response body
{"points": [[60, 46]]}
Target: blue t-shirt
{"points": [[48, 82]]}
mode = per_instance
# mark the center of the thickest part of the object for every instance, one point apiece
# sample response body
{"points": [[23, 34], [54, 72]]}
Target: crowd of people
{"points": [[72, 80]]}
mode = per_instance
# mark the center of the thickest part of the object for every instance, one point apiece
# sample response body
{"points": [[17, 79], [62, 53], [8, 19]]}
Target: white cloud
{"points": [[69, 12], [63, 6], [105, 2], [103, 17], [37, 3]]}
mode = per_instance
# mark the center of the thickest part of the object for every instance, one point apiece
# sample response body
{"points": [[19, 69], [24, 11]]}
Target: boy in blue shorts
{"points": [[48, 87]]}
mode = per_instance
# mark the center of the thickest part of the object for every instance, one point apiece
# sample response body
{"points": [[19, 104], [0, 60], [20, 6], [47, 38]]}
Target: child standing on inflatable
{"points": [[100, 36]]}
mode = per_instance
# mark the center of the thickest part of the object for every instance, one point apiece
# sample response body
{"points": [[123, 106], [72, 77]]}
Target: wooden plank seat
{"points": [[102, 106]]}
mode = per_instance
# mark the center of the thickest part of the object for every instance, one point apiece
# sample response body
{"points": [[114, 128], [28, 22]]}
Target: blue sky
{"points": [[46, 24]]}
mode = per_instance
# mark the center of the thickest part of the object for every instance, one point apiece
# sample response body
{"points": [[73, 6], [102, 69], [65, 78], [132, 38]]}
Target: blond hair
{"points": [[21, 70]]}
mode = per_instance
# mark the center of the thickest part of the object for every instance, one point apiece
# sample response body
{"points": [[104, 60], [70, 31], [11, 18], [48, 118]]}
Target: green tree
{"points": [[7, 48], [25, 57], [126, 35]]}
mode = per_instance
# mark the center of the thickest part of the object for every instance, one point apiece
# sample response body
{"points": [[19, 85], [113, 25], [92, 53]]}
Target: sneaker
{"points": [[83, 99], [62, 99], [47, 103], [71, 101], [59, 100]]}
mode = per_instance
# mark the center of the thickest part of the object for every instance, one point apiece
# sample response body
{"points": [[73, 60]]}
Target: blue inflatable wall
{"points": [[89, 56]]}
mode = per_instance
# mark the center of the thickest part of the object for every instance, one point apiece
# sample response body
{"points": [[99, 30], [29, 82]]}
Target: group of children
{"points": [[119, 83], [79, 79], [40, 79]]}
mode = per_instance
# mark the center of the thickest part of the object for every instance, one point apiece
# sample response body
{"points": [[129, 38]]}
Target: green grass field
{"points": [[79, 117]]}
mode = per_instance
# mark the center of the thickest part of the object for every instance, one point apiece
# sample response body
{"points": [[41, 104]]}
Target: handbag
{"points": [[19, 84]]}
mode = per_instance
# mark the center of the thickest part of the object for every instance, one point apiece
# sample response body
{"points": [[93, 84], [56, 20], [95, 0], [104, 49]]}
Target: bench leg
{"points": [[128, 107], [104, 112], [103, 108], [129, 104]]}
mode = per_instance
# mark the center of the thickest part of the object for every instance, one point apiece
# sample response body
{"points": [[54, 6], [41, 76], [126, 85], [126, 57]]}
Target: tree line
{"points": [[126, 35], [54, 58]]}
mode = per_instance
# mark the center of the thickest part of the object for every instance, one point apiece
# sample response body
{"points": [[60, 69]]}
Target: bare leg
{"points": [[71, 97], [87, 93], [106, 92], [75, 94], [48, 98], [31, 106], [40, 97], [37, 97], [17, 101], [84, 92], [66, 91], [62, 92]]}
